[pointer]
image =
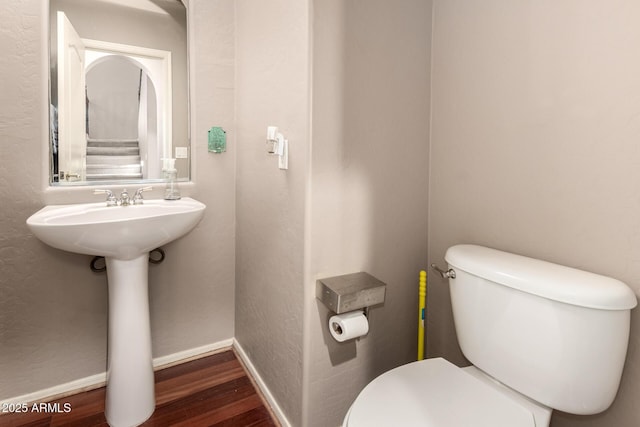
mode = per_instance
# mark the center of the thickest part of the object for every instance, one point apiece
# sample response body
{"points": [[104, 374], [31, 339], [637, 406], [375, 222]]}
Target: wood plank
{"points": [[213, 399], [194, 365], [84, 408], [188, 383], [258, 417]]}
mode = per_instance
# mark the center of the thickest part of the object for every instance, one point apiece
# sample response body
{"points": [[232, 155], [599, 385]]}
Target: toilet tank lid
{"points": [[542, 278]]}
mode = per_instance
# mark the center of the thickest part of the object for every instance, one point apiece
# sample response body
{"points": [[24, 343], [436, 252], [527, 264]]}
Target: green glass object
{"points": [[217, 140]]}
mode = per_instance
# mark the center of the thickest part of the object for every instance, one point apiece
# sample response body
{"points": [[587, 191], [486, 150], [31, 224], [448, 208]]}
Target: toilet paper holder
{"points": [[350, 292]]}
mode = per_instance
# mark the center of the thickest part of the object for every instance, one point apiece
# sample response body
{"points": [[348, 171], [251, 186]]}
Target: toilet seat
{"points": [[434, 393]]}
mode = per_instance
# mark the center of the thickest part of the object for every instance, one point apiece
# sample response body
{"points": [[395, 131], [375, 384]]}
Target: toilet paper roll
{"points": [[348, 326]]}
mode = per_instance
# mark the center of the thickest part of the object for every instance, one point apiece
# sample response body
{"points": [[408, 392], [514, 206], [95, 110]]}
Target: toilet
{"points": [[540, 336]]}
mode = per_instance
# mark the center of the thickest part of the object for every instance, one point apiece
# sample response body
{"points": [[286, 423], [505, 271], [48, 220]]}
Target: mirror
{"points": [[118, 91]]}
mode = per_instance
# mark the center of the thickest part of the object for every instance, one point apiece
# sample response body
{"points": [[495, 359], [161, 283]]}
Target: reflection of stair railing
{"points": [[109, 159]]}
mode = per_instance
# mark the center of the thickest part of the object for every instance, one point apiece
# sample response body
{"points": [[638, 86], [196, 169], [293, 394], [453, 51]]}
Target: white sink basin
{"points": [[120, 232], [123, 235]]}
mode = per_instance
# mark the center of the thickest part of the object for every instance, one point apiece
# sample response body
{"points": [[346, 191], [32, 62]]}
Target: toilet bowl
{"points": [[436, 393], [540, 336]]}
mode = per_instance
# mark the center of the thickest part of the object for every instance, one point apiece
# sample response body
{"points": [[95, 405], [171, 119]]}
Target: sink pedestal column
{"points": [[130, 383]]}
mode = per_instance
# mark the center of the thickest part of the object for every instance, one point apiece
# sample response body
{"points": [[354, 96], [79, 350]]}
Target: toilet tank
{"points": [[555, 334]]}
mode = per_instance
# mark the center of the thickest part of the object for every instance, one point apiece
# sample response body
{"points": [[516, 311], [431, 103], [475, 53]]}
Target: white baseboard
{"points": [[191, 354], [59, 391], [261, 384], [95, 381]]}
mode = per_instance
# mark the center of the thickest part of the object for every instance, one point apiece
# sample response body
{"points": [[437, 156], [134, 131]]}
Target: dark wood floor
{"points": [[211, 391]]}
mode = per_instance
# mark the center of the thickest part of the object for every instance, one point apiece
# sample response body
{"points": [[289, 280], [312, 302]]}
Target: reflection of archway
{"points": [[113, 101], [121, 119], [156, 64]]}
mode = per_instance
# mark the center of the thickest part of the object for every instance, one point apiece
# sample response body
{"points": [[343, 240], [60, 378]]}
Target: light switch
{"points": [[182, 152]]}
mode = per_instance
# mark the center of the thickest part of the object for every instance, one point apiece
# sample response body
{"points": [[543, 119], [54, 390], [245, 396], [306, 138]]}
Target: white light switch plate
{"points": [[181, 152]]}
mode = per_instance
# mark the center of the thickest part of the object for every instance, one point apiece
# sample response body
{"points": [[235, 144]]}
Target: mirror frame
{"points": [[49, 183]]}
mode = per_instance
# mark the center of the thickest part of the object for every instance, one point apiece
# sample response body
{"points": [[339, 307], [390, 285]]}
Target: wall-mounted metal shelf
{"points": [[350, 292]]}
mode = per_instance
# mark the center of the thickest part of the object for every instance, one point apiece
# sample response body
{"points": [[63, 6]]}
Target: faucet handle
{"points": [[111, 199], [137, 197]]}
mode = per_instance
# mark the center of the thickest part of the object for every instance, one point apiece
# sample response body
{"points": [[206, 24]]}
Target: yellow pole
{"points": [[421, 304]]}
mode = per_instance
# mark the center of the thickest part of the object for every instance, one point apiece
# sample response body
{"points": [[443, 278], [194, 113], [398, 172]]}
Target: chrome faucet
{"points": [[137, 197], [124, 199], [111, 199]]}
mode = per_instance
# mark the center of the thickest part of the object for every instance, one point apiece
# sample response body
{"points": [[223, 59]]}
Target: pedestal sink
{"points": [[124, 235]]}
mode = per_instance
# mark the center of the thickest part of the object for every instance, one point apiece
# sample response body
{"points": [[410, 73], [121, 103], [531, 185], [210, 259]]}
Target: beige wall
{"points": [[349, 214], [53, 309], [368, 205], [272, 78], [535, 150]]}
